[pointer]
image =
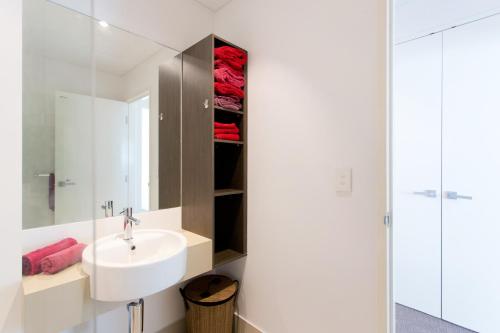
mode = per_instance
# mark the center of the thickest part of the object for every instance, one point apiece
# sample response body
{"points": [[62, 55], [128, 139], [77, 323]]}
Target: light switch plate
{"points": [[343, 180]]}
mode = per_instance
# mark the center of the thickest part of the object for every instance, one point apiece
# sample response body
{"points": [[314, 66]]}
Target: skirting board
{"points": [[177, 327], [243, 327]]}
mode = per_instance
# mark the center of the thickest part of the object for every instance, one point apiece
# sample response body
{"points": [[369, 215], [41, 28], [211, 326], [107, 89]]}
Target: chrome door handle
{"points": [[67, 182], [205, 104], [455, 196], [427, 193], [42, 174]]}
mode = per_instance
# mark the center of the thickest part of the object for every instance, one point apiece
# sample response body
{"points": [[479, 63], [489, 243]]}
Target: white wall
{"points": [[416, 18], [161, 309], [84, 231], [316, 87], [10, 169], [175, 23]]}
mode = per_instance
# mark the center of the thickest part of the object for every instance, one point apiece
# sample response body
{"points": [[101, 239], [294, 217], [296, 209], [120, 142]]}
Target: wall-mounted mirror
{"points": [[90, 118]]}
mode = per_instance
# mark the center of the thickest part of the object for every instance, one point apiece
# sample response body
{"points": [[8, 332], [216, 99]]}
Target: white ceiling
{"points": [[214, 5], [65, 35]]}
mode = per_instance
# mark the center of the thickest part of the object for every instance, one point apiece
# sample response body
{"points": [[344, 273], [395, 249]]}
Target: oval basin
{"points": [[127, 270]]}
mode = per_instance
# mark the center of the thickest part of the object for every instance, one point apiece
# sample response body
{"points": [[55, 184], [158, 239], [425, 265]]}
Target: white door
{"points": [[471, 168], [417, 174], [111, 152], [74, 156]]}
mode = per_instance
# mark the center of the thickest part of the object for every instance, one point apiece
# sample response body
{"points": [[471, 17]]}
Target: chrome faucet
{"points": [[108, 208], [128, 222]]}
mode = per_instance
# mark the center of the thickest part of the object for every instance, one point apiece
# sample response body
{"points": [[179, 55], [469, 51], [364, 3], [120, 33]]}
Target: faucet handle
{"points": [[126, 211]]}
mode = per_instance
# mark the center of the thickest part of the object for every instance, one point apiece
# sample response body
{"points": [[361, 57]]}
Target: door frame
{"points": [[130, 101], [388, 219], [391, 302]]}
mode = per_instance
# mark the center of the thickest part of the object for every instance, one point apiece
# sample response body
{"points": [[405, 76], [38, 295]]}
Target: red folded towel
{"points": [[31, 261], [228, 75], [229, 52], [58, 261], [228, 90], [226, 131], [231, 137], [234, 57], [224, 125]]}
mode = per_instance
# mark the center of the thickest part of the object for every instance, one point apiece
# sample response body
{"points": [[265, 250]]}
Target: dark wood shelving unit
{"points": [[214, 172]]}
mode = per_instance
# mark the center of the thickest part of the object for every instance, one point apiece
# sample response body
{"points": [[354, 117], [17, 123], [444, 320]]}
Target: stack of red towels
{"points": [[229, 77], [223, 131], [53, 258]]}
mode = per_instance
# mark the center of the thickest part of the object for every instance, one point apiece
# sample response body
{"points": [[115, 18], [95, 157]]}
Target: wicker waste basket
{"points": [[210, 302]]}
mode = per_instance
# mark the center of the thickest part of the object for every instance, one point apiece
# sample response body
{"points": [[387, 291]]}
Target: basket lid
{"points": [[211, 289]]}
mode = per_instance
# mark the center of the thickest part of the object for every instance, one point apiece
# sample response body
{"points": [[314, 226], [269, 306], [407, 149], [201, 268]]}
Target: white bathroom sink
{"points": [[126, 270]]}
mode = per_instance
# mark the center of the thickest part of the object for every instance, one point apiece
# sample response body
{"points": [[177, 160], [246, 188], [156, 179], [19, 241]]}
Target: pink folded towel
{"points": [[228, 102], [31, 261], [58, 261]]}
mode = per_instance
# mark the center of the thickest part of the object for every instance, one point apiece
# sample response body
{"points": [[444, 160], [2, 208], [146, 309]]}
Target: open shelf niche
{"points": [[230, 185], [214, 173]]}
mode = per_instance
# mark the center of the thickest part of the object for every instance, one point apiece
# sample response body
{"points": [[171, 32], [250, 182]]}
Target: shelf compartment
{"points": [[227, 191], [228, 110], [228, 118], [218, 42], [228, 167], [230, 231], [225, 256]]}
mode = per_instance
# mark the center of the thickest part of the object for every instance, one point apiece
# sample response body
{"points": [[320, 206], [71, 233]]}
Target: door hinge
{"points": [[126, 120], [387, 219]]}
